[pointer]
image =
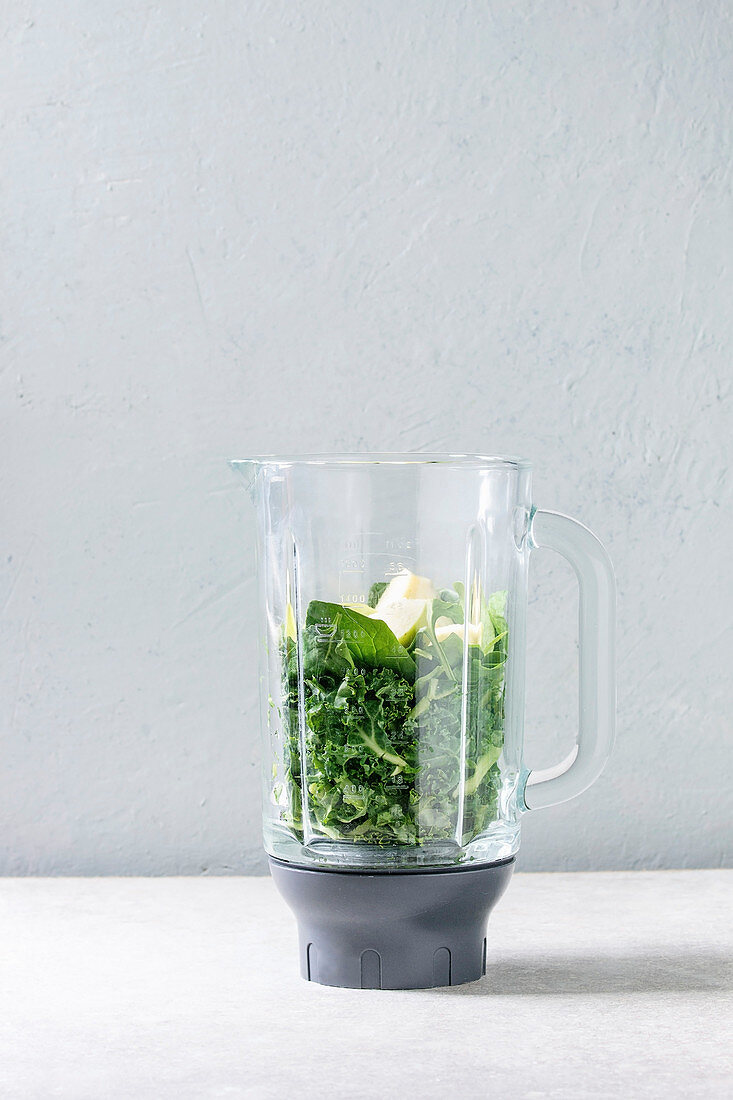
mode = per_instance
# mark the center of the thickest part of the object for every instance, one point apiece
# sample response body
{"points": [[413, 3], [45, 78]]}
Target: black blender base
{"points": [[392, 930]]}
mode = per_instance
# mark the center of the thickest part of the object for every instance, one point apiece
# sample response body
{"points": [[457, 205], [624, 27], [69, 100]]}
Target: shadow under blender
{"points": [[606, 975]]}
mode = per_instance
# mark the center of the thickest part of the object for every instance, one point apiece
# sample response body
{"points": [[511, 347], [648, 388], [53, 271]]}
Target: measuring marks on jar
{"points": [[369, 557]]}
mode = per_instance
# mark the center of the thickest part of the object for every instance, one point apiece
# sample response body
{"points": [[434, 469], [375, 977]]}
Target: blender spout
{"points": [[247, 468]]}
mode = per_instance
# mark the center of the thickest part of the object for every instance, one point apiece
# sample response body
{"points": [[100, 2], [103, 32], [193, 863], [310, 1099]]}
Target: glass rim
{"points": [[389, 458]]}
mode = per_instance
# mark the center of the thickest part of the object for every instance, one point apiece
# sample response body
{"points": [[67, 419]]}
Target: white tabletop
{"points": [[598, 985]]}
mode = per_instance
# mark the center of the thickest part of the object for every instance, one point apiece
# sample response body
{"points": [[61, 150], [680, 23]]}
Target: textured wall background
{"points": [[324, 225]]}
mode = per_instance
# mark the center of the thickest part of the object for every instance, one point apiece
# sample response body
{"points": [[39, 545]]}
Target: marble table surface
{"points": [[598, 985]]}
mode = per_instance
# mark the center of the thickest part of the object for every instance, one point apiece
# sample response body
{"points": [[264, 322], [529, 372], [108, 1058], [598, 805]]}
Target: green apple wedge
{"points": [[408, 586], [403, 605], [475, 632], [403, 617]]}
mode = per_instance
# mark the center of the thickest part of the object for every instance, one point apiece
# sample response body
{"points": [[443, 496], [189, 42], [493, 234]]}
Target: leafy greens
{"points": [[386, 755]]}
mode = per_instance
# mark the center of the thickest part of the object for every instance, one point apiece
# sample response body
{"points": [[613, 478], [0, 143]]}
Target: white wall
{"points": [[247, 227]]}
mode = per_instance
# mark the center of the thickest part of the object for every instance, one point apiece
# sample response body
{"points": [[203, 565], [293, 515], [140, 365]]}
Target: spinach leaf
{"points": [[496, 613], [336, 631], [443, 608]]}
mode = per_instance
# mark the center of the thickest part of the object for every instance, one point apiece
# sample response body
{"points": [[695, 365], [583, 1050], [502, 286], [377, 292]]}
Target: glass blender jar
{"points": [[393, 606]]}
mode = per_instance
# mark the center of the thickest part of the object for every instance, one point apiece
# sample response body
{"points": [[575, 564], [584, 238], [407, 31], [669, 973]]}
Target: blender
{"points": [[393, 599]]}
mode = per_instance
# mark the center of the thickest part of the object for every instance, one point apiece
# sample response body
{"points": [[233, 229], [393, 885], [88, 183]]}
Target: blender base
{"points": [[392, 929]]}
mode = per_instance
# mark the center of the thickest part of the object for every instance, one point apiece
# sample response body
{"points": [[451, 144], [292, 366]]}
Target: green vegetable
{"points": [[386, 757], [338, 634], [375, 592]]}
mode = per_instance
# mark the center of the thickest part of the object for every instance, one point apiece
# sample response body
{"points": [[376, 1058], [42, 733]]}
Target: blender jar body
{"points": [[394, 594]]}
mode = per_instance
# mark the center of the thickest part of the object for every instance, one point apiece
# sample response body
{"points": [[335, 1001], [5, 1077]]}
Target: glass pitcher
{"points": [[393, 608]]}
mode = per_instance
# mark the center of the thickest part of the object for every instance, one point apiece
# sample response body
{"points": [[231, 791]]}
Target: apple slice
{"points": [[404, 617], [475, 632], [408, 586]]}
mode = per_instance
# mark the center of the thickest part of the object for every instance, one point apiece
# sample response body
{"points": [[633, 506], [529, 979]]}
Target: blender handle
{"points": [[596, 641]]}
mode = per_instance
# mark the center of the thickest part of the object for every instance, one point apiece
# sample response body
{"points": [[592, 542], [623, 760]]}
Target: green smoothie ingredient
{"points": [[386, 752]]}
